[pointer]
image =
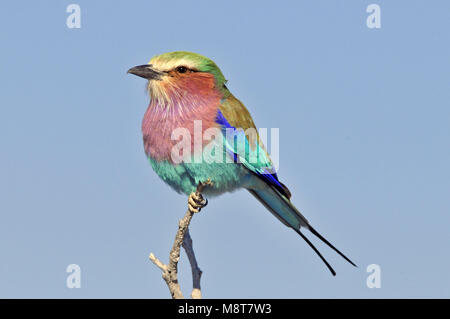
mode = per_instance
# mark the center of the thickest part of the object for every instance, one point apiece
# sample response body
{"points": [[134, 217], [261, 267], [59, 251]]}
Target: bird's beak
{"points": [[147, 72]]}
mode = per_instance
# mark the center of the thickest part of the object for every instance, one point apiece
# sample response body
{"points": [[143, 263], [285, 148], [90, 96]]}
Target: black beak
{"points": [[147, 72]]}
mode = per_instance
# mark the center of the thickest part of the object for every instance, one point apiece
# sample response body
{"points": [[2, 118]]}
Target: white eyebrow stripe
{"points": [[166, 65]]}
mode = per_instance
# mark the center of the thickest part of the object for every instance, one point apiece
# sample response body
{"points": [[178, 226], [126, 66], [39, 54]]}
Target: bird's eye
{"points": [[181, 69]]}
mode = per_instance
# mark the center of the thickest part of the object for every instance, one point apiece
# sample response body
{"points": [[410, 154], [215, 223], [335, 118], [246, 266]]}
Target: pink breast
{"points": [[160, 121]]}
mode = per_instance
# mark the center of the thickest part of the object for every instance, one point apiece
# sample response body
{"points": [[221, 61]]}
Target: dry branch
{"points": [[183, 238]]}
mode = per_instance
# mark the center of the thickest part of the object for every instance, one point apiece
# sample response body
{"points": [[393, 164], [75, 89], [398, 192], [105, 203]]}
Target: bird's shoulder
{"points": [[236, 113]]}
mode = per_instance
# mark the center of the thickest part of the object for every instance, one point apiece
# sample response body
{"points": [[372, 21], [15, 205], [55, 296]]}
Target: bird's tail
{"points": [[282, 208]]}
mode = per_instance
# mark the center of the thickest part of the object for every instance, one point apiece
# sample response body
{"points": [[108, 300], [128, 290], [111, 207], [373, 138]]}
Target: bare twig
{"points": [[196, 272], [170, 271]]}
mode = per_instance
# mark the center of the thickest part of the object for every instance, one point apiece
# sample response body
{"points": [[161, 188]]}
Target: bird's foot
{"points": [[196, 202]]}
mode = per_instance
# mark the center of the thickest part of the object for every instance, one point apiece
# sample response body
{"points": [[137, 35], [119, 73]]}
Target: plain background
{"points": [[364, 128]]}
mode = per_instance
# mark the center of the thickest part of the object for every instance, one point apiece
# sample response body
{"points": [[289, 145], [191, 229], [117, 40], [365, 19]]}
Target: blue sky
{"points": [[364, 147]]}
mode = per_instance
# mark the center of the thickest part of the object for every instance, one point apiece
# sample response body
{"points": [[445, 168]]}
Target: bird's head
{"points": [[177, 76]]}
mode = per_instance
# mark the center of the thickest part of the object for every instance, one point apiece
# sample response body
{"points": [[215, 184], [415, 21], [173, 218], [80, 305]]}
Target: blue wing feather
{"points": [[262, 168]]}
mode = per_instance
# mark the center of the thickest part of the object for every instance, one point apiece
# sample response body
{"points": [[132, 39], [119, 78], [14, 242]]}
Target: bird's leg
{"points": [[196, 201]]}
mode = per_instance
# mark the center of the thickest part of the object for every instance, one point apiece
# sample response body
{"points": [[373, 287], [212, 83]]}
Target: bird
{"points": [[188, 95]]}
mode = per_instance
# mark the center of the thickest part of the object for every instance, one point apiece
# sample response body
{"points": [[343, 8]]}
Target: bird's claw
{"points": [[196, 202]]}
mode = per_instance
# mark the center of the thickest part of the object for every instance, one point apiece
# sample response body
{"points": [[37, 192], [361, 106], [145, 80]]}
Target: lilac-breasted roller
{"points": [[187, 89]]}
